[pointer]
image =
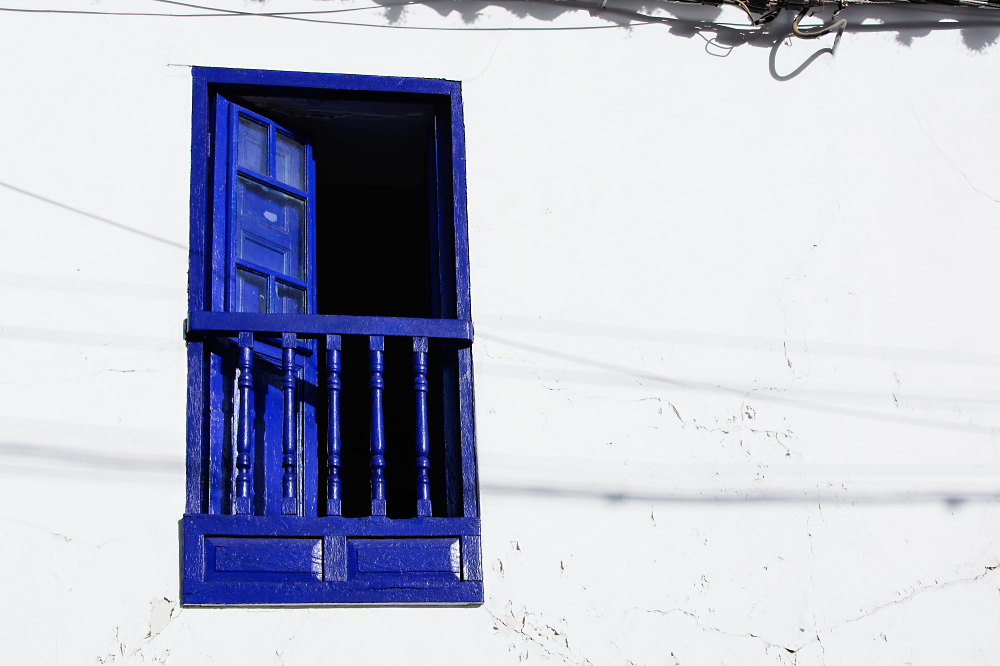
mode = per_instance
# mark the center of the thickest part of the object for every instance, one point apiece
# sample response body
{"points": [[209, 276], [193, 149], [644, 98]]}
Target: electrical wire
{"points": [[237, 12], [212, 13], [837, 25], [631, 18]]}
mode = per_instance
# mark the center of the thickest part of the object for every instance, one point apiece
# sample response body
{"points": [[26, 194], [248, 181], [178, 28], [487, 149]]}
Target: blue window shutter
{"points": [[270, 380]]}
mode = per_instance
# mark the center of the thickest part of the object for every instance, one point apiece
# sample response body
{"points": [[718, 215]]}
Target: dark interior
{"points": [[376, 254]]}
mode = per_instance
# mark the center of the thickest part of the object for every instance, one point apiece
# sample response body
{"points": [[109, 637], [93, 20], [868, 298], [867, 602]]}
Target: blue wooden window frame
{"points": [[308, 557]]}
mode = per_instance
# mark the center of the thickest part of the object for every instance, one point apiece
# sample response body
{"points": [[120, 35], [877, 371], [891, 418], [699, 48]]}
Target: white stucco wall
{"points": [[737, 361]]}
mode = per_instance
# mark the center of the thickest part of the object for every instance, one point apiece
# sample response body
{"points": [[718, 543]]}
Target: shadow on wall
{"points": [[979, 28], [47, 458], [92, 216], [952, 499], [82, 462], [813, 405], [33, 460]]}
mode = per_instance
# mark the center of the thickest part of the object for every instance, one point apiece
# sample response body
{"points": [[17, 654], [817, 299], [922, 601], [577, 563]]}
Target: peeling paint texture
{"points": [[737, 363]]}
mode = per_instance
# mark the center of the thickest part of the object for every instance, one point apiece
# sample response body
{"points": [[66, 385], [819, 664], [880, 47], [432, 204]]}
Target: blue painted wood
{"points": [[244, 441], [422, 434], [289, 480], [387, 560], [300, 349], [270, 222], [470, 469], [311, 457], [285, 593], [204, 76], [263, 558], [220, 365], [407, 561], [218, 249], [194, 467], [303, 526], [197, 446], [462, 284], [193, 557], [200, 194], [226, 210], [268, 432], [333, 500], [376, 347], [314, 326], [270, 180], [470, 475], [213, 364], [221, 375], [472, 561], [334, 558], [452, 431], [283, 236]]}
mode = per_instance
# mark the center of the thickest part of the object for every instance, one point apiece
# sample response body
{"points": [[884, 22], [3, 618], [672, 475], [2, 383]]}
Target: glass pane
{"points": [[293, 299], [251, 291], [289, 158], [251, 151], [271, 228]]}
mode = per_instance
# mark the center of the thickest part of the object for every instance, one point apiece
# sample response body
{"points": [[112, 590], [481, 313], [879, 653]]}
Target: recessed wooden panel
{"points": [[232, 559], [261, 558], [405, 556]]}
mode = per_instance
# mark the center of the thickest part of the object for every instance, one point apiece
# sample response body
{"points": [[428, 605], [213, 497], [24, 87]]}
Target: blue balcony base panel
{"points": [[290, 560]]}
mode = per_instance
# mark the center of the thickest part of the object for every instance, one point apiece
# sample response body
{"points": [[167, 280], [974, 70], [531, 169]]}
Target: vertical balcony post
{"points": [[422, 436], [333, 425], [289, 480], [244, 443], [376, 345]]}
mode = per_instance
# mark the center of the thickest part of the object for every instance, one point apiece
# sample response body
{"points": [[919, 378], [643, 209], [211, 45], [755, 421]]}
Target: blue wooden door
{"points": [[269, 266], [272, 221]]}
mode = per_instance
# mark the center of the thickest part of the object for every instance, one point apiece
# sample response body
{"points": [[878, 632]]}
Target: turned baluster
{"points": [[333, 425], [289, 481], [422, 436], [244, 443], [376, 346]]}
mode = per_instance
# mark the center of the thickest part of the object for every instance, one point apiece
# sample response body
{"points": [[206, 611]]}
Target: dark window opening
{"points": [[384, 247]]}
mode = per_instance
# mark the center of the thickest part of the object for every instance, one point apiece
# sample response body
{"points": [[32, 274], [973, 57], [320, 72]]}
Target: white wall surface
{"points": [[737, 356]]}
